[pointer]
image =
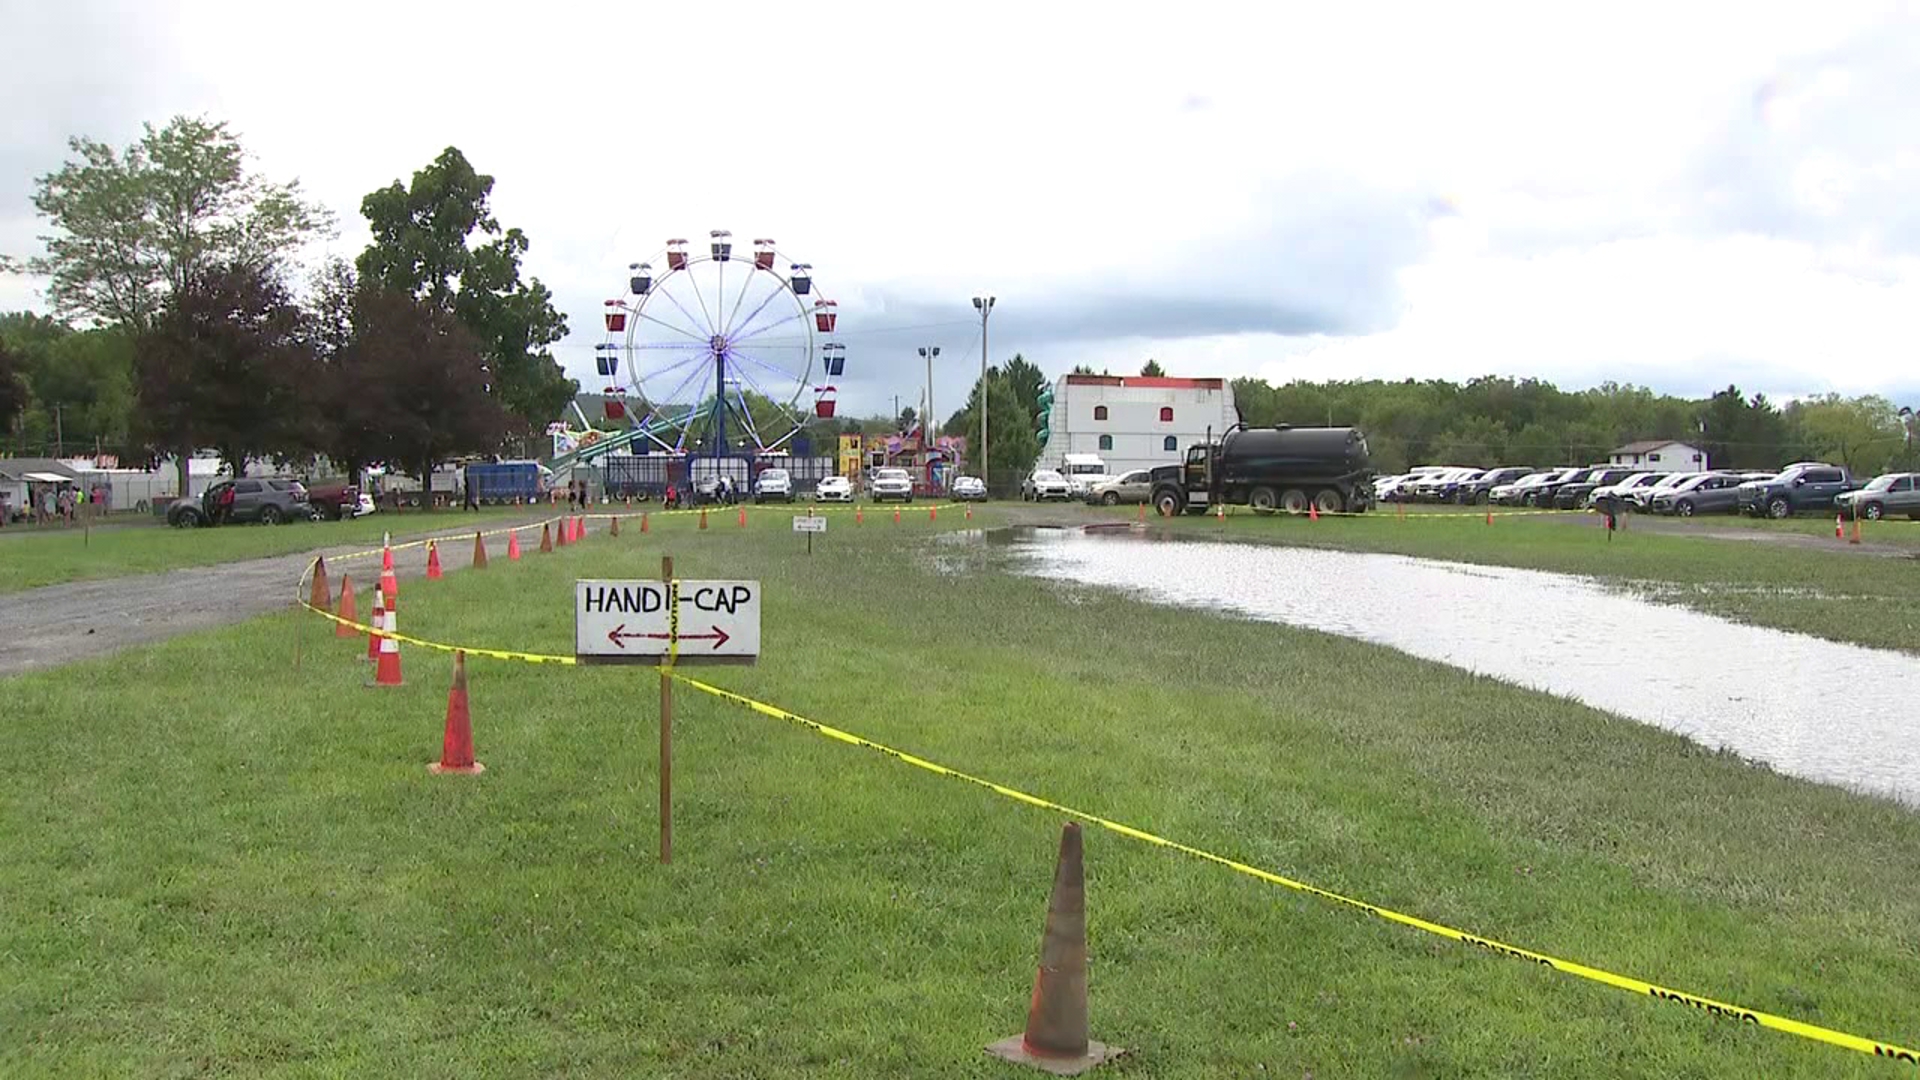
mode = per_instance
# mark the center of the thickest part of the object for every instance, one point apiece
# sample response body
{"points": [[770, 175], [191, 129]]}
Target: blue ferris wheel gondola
{"points": [[834, 358]]}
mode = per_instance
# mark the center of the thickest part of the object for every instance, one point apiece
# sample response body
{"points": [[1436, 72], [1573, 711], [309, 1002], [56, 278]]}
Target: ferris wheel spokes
{"points": [[731, 330], [661, 289], [796, 316], [746, 283]]}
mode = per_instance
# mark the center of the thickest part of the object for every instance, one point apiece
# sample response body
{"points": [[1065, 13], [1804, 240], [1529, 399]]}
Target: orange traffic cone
{"points": [[479, 552], [379, 617], [969, 513], [513, 547], [386, 551], [321, 600], [643, 522], [1839, 527], [933, 513], [563, 533], [896, 515], [345, 610], [433, 562], [1220, 511], [743, 517], [1055, 1040], [546, 538], [859, 515], [703, 517], [456, 748], [390, 588], [1313, 511], [614, 529], [1140, 513], [1489, 517], [386, 669]]}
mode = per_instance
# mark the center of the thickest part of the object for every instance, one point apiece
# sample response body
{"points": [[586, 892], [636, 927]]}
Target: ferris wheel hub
{"points": [[718, 343]]}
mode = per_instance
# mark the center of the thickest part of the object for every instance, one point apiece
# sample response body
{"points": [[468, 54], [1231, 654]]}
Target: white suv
{"points": [[891, 484]]}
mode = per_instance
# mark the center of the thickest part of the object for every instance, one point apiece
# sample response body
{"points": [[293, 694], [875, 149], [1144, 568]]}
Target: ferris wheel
{"points": [[713, 354]]}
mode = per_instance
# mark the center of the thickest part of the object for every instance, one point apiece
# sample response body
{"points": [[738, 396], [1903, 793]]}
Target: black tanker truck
{"points": [[1278, 468]]}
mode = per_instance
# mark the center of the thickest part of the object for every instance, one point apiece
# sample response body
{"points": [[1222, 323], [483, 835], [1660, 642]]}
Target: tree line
{"points": [[183, 316]]}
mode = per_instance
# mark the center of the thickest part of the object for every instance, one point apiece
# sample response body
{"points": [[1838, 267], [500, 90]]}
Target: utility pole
{"points": [[59, 439], [929, 353], [984, 305]]}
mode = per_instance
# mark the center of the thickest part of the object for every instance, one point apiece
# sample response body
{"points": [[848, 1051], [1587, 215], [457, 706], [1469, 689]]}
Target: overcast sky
{"points": [[1681, 195]]}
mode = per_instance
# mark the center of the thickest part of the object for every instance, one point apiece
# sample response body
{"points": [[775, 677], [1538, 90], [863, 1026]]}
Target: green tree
{"points": [[1152, 368], [1865, 433], [428, 394], [1080, 369], [1012, 445], [136, 226], [13, 387], [422, 245], [1027, 382]]}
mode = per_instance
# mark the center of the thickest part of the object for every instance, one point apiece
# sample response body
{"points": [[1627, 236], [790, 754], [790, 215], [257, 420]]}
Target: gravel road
{"points": [[58, 624]]}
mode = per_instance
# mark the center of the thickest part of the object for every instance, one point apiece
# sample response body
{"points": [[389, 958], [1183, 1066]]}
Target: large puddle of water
{"points": [[1818, 709]]}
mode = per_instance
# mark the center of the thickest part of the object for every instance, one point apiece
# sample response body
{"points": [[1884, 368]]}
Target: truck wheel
{"points": [[1875, 511], [1264, 501], [1168, 503], [1294, 501], [1329, 501], [1779, 508]]}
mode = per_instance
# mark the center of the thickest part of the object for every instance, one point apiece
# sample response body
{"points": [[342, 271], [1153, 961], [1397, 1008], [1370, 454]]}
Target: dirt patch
{"points": [[58, 624]]}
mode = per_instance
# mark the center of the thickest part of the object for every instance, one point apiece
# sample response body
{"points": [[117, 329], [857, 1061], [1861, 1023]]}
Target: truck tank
{"points": [[1305, 453]]}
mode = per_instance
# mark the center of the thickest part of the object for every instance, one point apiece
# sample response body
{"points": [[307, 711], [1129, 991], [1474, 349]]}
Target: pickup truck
{"points": [[1800, 488]]}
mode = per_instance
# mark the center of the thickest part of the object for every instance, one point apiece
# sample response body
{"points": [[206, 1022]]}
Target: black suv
{"points": [[268, 501], [1800, 488], [1480, 488]]}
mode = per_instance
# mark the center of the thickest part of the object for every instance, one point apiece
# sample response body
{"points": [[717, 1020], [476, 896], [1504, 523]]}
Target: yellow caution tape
{"points": [[1711, 1006]]}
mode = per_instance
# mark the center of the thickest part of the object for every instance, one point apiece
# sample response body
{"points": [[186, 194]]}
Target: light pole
{"points": [[984, 305], [928, 353]]}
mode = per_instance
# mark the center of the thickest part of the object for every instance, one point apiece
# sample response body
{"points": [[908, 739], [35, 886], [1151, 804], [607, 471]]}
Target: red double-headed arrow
{"points": [[619, 636]]}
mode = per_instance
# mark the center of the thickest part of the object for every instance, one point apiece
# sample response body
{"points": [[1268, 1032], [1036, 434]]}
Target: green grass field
{"points": [[48, 556], [1829, 592], [217, 865]]}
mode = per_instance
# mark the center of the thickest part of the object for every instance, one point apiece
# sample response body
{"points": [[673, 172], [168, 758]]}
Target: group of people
{"points": [[50, 503]]}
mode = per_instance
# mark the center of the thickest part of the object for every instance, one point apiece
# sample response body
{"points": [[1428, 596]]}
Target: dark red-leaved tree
{"points": [[226, 364], [412, 387]]}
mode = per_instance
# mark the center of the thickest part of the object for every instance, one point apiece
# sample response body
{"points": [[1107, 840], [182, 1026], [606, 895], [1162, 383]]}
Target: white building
{"points": [[1135, 421], [1660, 455]]}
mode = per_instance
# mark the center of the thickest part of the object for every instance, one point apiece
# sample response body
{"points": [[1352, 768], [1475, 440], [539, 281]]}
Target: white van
{"points": [[1083, 471]]}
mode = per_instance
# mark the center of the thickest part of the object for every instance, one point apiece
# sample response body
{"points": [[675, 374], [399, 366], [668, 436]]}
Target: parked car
{"points": [[1128, 487], [834, 489], [1888, 493], [891, 484], [1642, 496], [1045, 484], [773, 484], [969, 489], [336, 500], [247, 499], [1528, 490], [1572, 495], [1799, 488], [1701, 493], [1479, 490], [1619, 495]]}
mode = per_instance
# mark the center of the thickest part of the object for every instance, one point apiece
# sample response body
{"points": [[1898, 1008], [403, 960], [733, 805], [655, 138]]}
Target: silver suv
{"points": [[891, 484]]}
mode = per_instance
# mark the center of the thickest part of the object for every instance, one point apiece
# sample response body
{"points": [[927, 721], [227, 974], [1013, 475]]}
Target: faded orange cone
{"points": [[1839, 527], [386, 669], [1313, 511], [859, 515], [1056, 1040], [345, 609], [546, 538], [933, 513], [513, 547], [456, 747], [320, 600], [433, 562], [896, 515], [643, 522], [479, 552], [743, 517], [703, 517], [1489, 517], [614, 529]]}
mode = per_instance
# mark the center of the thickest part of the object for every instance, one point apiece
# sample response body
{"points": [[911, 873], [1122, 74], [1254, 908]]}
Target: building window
{"points": [[1696, 457], [1170, 444], [1099, 412], [1653, 457], [1106, 442], [1166, 414]]}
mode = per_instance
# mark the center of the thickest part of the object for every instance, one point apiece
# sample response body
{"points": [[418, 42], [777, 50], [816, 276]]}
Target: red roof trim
{"points": [[1150, 382]]}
